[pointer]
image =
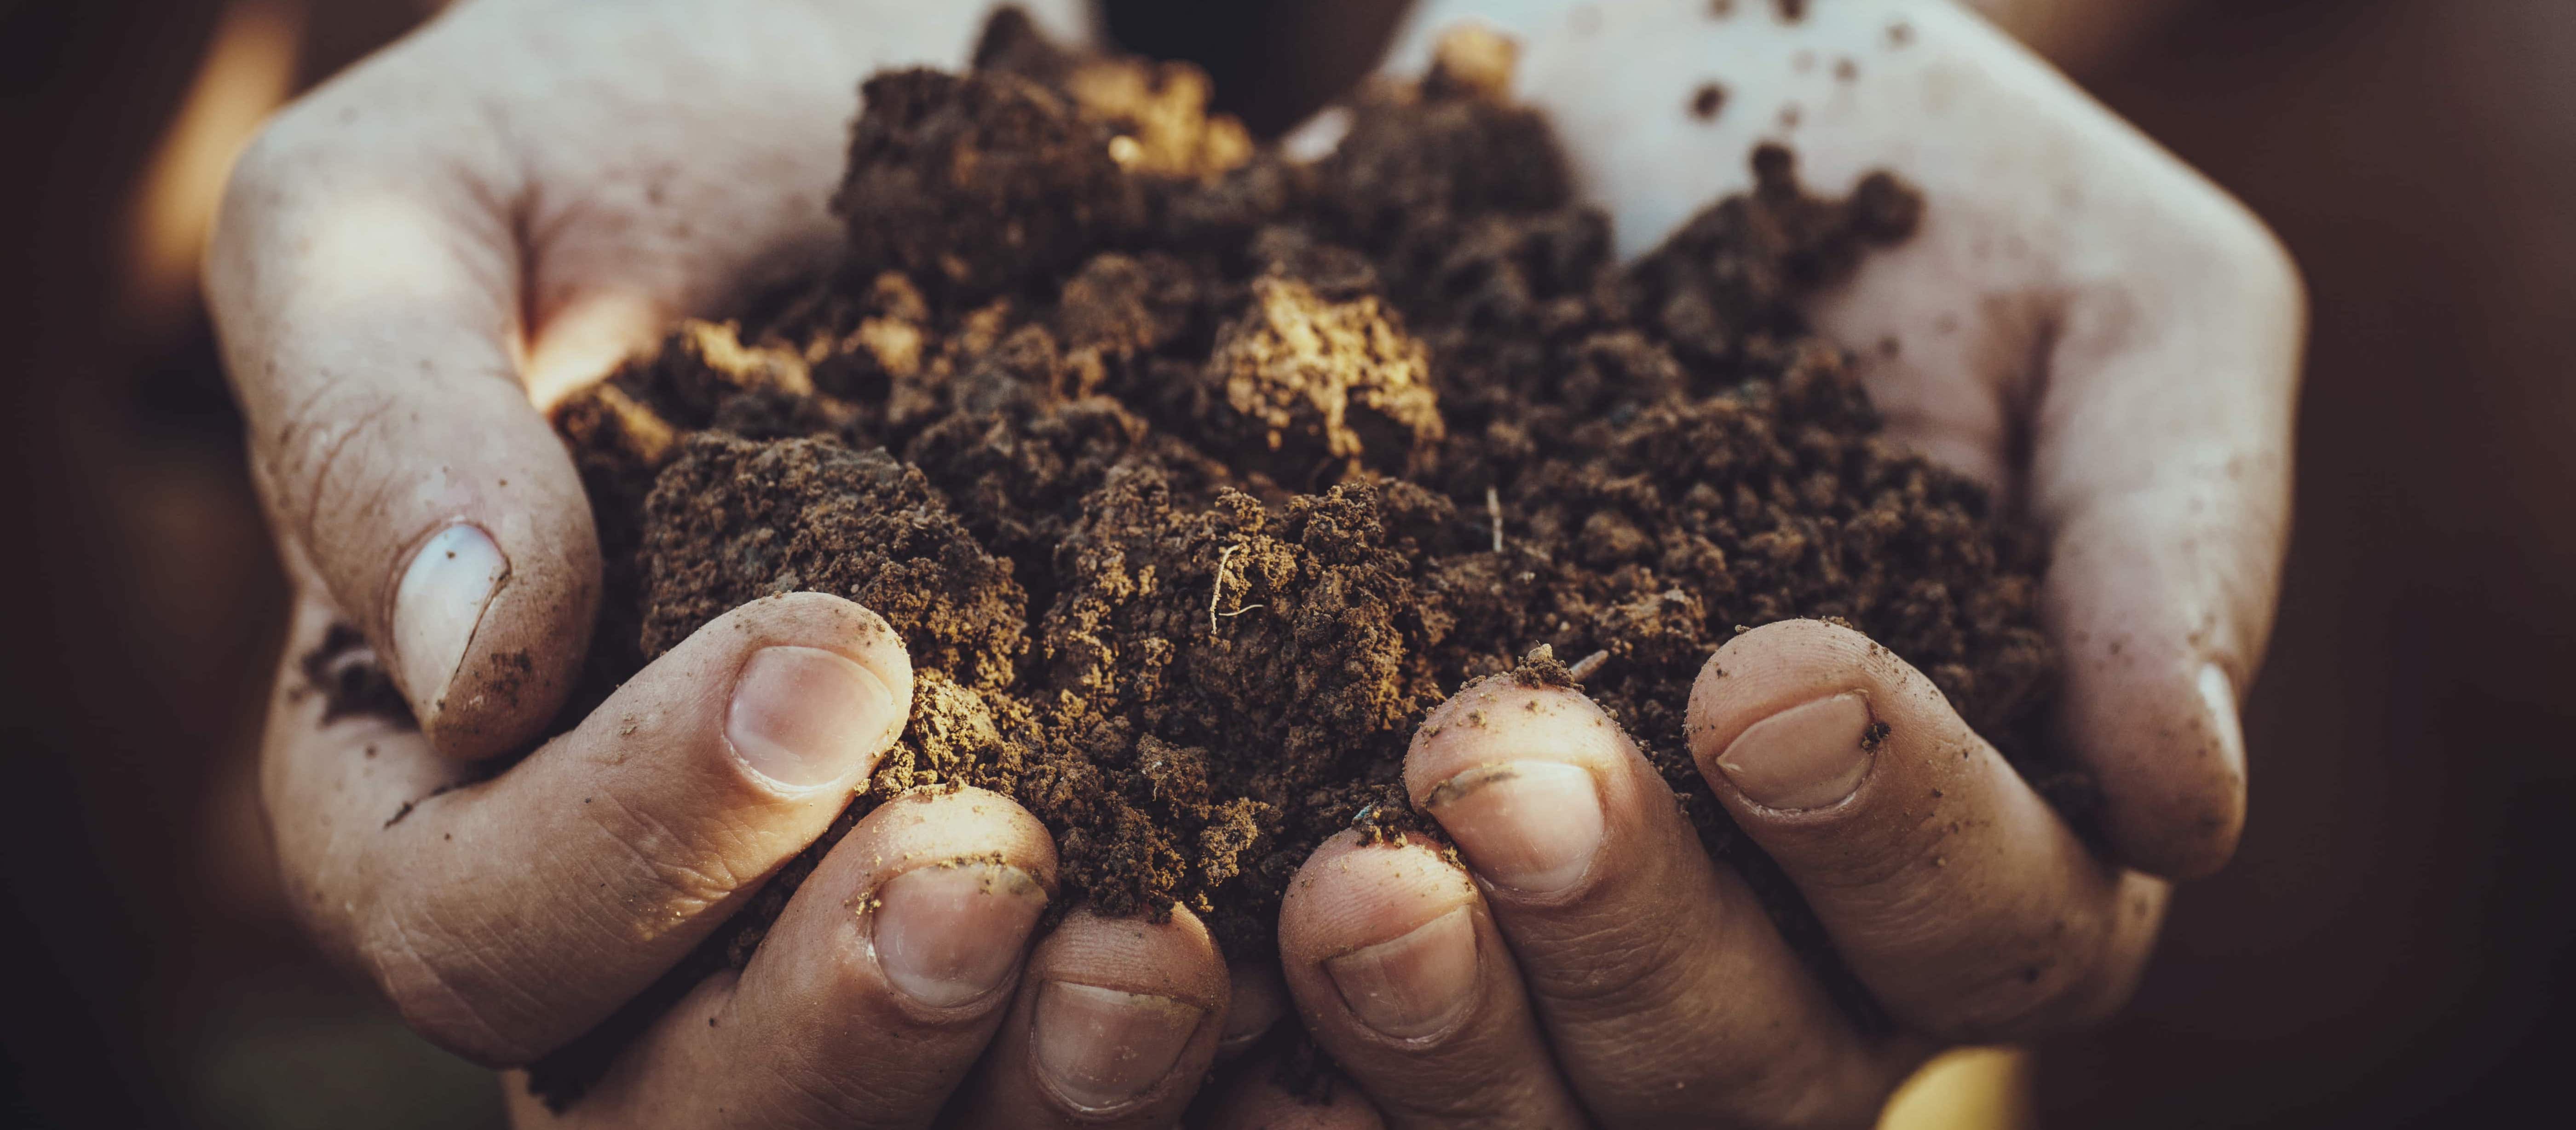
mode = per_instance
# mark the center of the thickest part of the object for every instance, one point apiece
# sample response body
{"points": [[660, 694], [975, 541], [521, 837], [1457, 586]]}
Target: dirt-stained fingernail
{"points": [[439, 603], [947, 935], [1100, 1049], [1806, 757], [803, 716], [1413, 986], [1532, 826]]}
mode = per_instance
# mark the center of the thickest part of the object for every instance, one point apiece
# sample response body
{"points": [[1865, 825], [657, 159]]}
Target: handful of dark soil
{"points": [[1192, 476]]}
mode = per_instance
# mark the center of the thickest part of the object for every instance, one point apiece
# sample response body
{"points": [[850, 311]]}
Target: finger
{"points": [[1665, 989], [1950, 887], [1116, 1024], [873, 995], [366, 290], [1254, 1099], [505, 916], [2163, 476], [1400, 976]]}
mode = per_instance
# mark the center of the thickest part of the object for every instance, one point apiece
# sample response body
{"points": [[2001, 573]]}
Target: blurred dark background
{"points": [[2391, 946]]}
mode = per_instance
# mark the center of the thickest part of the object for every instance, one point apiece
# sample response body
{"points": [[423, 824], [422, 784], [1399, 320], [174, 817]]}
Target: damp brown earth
{"points": [[1193, 476]]}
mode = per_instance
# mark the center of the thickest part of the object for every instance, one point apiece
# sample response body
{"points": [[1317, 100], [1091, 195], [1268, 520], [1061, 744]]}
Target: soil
{"points": [[1193, 477], [1707, 101], [344, 671]]}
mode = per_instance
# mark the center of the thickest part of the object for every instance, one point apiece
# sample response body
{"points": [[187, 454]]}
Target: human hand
{"points": [[2082, 323], [413, 260], [506, 917], [408, 264]]}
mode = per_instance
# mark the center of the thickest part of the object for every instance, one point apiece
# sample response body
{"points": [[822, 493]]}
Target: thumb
{"points": [[368, 298]]}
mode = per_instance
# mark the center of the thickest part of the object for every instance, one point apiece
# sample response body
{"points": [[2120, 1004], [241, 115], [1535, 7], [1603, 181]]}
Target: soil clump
{"points": [[1193, 476]]}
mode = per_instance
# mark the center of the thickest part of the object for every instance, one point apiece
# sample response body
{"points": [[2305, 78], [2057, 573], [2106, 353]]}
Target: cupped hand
{"points": [[505, 917], [2082, 323], [408, 263], [413, 259]]}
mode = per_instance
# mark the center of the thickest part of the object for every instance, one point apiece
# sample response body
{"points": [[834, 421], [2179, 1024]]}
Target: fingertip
{"points": [[820, 687], [1174, 958], [1123, 1018], [821, 619], [950, 885], [1789, 717], [490, 628], [1399, 973], [1499, 721], [2222, 823], [2170, 758], [1769, 669], [926, 820], [447, 520], [1355, 892]]}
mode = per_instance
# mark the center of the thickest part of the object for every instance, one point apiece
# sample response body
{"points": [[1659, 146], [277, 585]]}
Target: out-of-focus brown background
{"points": [[2391, 946]]}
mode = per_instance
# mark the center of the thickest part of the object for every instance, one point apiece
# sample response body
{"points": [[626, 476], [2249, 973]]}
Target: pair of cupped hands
{"points": [[416, 257]]}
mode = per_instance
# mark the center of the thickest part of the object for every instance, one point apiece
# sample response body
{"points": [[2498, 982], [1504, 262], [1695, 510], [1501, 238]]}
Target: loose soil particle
{"points": [[1193, 477]]}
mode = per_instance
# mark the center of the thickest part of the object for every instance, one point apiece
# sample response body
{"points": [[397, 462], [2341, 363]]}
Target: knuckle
{"points": [[1471, 1091], [1615, 967], [683, 873], [267, 168], [251, 191], [308, 452], [2055, 983], [443, 992], [2240, 261], [2264, 265], [1898, 868], [274, 175]]}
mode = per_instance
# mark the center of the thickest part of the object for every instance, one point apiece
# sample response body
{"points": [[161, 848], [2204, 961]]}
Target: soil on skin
{"points": [[1193, 477], [344, 671]]}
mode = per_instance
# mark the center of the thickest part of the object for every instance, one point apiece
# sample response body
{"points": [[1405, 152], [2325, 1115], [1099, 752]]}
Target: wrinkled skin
{"points": [[413, 258]]}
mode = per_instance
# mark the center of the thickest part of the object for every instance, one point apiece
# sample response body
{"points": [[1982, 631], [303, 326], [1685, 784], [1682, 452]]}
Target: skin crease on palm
{"points": [[419, 254]]}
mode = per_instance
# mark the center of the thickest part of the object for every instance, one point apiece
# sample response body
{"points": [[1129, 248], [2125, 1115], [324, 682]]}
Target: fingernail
{"points": [[2218, 695], [1101, 1048], [1805, 757], [802, 716], [1413, 986], [440, 600], [1533, 826], [947, 935]]}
